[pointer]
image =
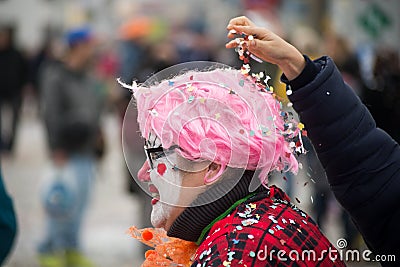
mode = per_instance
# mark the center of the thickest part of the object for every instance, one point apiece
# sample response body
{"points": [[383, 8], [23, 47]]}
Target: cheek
{"points": [[168, 182]]}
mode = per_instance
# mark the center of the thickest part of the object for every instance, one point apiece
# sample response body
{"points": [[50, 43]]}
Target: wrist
{"points": [[293, 65]]}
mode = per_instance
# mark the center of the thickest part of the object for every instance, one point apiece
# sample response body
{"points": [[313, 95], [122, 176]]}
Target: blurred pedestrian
{"points": [[13, 76], [71, 109], [134, 58], [8, 223], [383, 98]]}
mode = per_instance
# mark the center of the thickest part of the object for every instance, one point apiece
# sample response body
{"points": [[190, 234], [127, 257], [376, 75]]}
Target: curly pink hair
{"points": [[217, 115]]}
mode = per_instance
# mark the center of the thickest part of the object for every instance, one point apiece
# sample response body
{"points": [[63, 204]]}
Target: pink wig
{"points": [[217, 115]]}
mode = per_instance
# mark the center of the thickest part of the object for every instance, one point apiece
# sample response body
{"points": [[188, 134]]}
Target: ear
{"points": [[214, 172]]}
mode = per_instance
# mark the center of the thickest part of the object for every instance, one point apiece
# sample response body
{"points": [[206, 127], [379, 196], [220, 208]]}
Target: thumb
{"points": [[254, 47]]}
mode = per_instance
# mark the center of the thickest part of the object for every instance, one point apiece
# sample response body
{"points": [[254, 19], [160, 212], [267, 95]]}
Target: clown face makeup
{"points": [[165, 187], [172, 189], [164, 184]]}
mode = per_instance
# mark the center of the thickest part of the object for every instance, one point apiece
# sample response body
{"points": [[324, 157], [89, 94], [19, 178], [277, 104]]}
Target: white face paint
{"points": [[168, 185]]}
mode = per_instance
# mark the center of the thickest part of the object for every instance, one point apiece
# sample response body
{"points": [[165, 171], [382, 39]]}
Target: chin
{"points": [[158, 216]]}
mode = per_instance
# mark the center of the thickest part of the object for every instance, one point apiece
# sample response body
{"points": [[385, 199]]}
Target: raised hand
{"points": [[267, 46]]}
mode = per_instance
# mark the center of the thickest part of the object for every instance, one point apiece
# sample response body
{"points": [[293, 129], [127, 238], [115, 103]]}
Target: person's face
{"points": [[172, 189], [85, 52]]}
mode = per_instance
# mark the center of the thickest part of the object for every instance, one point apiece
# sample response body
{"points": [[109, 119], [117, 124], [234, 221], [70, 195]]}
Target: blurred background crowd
{"points": [[63, 57]]}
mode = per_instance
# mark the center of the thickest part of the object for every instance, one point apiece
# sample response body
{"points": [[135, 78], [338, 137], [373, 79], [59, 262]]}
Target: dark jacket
{"points": [[361, 161], [71, 107], [8, 225], [13, 73]]}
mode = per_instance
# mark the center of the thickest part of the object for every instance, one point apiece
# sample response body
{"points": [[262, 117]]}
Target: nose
{"points": [[143, 173]]}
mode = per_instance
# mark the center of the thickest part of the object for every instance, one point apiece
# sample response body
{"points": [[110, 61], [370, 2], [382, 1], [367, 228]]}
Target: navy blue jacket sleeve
{"points": [[7, 222], [361, 161]]}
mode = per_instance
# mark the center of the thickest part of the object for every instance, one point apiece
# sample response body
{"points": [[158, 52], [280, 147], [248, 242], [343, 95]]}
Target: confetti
{"points": [[271, 217], [154, 112], [235, 241], [250, 236], [328, 93], [289, 92], [230, 255], [252, 254], [252, 133], [256, 58], [241, 82], [298, 200], [239, 227], [217, 116], [249, 222], [191, 88], [226, 263], [191, 98], [202, 100], [300, 126], [171, 83], [283, 242], [271, 231]]}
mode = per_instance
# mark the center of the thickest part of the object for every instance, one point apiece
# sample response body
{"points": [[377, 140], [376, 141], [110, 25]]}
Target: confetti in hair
{"points": [[217, 115]]}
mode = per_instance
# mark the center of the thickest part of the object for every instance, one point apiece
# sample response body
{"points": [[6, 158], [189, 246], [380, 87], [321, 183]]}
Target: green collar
{"points": [[220, 217]]}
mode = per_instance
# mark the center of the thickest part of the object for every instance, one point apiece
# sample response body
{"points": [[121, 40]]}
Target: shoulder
{"points": [[255, 232]]}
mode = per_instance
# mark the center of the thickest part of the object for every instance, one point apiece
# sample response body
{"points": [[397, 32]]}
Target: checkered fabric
{"points": [[266, 230]]}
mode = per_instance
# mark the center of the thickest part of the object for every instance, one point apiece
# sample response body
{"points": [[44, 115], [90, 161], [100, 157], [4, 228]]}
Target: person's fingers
{"points": [[251, 30], [233, 43], [242, 20]]}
